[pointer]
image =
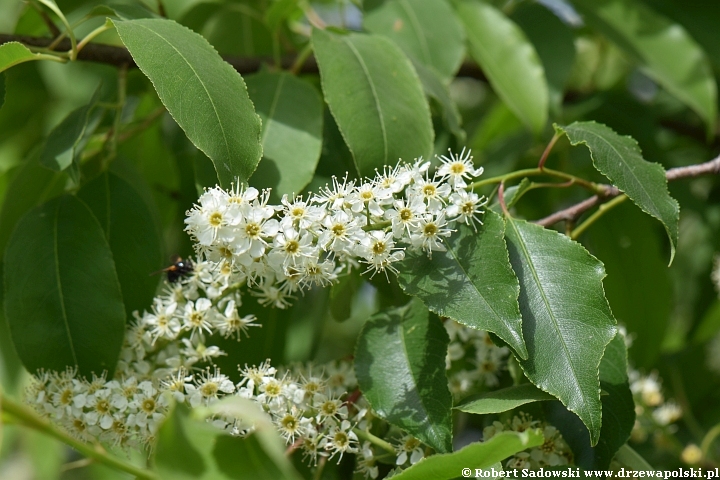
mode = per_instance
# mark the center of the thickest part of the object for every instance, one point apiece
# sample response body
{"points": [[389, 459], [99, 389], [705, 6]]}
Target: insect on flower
{"points": [[179, 269]]}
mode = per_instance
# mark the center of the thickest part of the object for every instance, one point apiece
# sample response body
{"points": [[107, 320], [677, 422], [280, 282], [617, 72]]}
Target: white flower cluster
{"points": [[553, 452], [654, 414], [160, 348], [473, 360], [282, 249]]}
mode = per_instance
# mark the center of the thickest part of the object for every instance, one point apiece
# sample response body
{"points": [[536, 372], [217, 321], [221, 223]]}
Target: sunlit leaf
{"points": [[504, 399], [400, 367], [562, 301], [619, 159], [202, 92], [387, 116]]}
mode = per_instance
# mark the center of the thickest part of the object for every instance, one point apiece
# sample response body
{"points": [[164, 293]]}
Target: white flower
{"points": [[212, 218], [435, 193], [458, 168], [368, 198], [409, 448], [465, 206], [298, 214], [230, 323], [378, 249], [198, 316], [340, 439], [667, 413], [340, 232], [429, 232], [405, 214], [254, 228], [336, 197], [289, 248], [162, 321], [208, 387], [393, 179]]}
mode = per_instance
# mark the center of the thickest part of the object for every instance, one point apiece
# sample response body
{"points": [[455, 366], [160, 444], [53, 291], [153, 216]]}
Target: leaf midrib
{"points": [[374, 95], [61, 298], [627, 166], [417, 30], [217, 116], [549, 309], [273, 107]]}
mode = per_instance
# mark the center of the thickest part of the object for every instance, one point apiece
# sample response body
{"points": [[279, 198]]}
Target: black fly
{"points": [[179, 269]]}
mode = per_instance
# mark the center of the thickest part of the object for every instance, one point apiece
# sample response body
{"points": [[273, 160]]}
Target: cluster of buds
{"points": [[282, 249]]}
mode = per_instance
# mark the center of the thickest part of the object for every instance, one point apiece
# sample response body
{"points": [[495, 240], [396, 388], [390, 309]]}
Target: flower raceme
{"points": [[281, 249]]}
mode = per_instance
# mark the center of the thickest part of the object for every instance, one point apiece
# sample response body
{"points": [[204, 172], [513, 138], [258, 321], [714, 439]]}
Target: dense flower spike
{"points": [[279, 250]]}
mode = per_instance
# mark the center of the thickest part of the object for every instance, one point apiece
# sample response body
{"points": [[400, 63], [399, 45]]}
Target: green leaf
{"points": [[638, 283], [478, 455], [554, 43], [202, 92], [189, 447], [32, 186], [291, 111], [64, 307], [400, 367], [437, 90], [13, 53], [669, 54], [618, 406], [2, 89], [67, 140], [630, 458], [387, 116], [133, 235], [509, 61], [472, 282], [428, 32], [620, 160], [618, 413], [498, 401], [566, 319]]}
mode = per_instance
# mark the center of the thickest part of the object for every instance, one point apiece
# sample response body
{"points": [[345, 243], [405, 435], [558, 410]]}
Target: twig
{"points": [[609, 192], [118, 56]]}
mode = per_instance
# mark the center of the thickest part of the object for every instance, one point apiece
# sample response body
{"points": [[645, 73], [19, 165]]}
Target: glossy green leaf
{"points": [[618, 413], [32, 186], [478, 455], [65, 142], [428, 32], [554, 42], [509, 61], [618, 405], [566, 319], [291, 111], [638, 285], [472, 282], [620, 160], [202, 92], [498, 401], [13, 53], [133, 235], [387, 116], [669, 54], [65, 307], [400, 367], [438, 91]]}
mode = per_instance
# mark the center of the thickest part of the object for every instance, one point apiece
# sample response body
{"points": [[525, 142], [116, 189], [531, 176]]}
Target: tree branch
{"points": [[119, 56], [572, 213]]}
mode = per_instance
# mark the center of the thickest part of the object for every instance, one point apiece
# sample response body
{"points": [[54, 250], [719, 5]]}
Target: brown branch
{"points": [[571, 214], [119, 56]]}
